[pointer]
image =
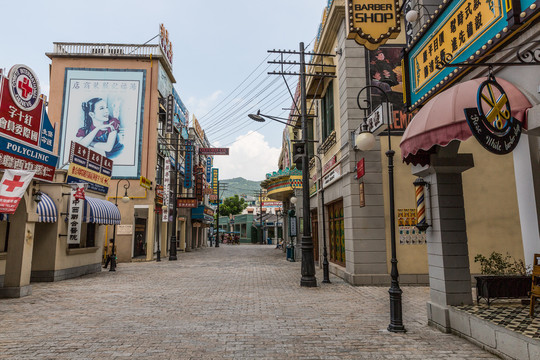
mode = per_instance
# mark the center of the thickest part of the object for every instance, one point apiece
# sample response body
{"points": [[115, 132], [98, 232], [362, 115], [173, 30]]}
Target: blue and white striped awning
{"points": [[101, 212], [46, 209], [4, 217]]}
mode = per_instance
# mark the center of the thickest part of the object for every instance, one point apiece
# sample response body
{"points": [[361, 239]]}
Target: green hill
{"points": [[241, 187]]}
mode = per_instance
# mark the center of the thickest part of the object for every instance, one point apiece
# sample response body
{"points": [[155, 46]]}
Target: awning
{"points": [[442, 119], [101, 212], [4, 217], [46, 209]]}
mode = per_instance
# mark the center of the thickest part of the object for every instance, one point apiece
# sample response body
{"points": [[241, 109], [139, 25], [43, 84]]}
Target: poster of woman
{"points": [[102, 110]]}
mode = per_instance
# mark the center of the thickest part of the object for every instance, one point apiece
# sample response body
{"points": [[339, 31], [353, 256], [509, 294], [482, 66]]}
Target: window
{"points": [[328, 111], [88, 236]]}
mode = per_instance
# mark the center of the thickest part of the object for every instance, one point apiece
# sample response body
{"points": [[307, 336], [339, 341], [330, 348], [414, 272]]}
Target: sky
{"points": [[220, 59]]}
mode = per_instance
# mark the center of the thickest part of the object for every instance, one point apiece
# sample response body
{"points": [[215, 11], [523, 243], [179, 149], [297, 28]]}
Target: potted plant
{"points": [[502, 277]]}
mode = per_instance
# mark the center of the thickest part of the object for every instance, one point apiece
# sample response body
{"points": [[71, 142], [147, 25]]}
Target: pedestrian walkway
{"points": [[232, 302]]}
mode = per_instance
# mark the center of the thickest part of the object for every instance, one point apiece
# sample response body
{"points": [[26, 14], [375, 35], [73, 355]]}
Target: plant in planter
{"points": [[502, 277]]}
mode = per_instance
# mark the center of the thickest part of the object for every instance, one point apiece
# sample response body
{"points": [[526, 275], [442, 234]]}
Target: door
{"points": [[139, 243]]}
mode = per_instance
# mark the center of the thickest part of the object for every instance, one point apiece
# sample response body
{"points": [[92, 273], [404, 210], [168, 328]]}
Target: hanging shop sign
{"points": [[166, 189], [360, 168], [213, 151], [462, 31], [145, 183], [215, 178], [182, 202], [329, 164], [164, 86], [198, 128], [87, 166], [491, 122], [208, 169], [372, 22], [166, 45], [188, 181], [76, 203], [292, 226], [199, 183], [12, 188], [362, 195], [170, 114], [159, 195]]}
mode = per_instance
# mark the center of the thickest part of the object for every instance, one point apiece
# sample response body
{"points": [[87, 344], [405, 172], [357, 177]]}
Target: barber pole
{"points": [[421, 222]]}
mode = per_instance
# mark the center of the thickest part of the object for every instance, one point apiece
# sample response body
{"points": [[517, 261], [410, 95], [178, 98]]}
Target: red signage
{"points": [[187, 203], [360, 169], [329, 164], [159, 194], [12, 188], [213, 151]]}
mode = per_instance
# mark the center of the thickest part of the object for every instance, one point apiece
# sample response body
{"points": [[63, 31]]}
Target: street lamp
{"points": [[308, 262], [125, 199], [326, 271], [396, 322]]}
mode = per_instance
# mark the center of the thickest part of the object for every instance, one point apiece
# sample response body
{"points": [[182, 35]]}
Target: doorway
{"points": [[139, 243]]}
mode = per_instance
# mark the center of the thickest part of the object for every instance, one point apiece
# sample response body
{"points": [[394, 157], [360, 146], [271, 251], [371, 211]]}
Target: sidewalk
{"points": [[233, 302]]}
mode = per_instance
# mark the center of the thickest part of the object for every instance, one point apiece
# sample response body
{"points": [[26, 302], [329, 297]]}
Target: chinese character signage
{"points": [[103, 111], [87, 166], [208, 169], [12, 188], [213, 151], [199, 183], [372, 22], [188, 182], [462, 31], [75, 213], [166, 45], [170, 111], [166, 189], [187, 203]]}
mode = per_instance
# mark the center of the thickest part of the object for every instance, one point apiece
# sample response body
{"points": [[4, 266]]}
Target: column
{"points": [[448, 254]]}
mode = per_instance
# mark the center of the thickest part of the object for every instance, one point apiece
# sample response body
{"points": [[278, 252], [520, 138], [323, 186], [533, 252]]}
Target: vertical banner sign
{"points": [[199, 183], [12, 188], [166, 189], [76, 203], [188, 183], [208, 169], [170, 114]]}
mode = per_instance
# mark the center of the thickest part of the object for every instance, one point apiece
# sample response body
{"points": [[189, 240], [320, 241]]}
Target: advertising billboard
{"points": [[103, 110]]}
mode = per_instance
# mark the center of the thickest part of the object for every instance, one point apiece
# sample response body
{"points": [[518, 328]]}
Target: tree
{"points": [[232, 205]]}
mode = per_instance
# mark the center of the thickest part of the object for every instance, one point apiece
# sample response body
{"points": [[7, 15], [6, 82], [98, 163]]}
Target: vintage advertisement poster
{"points": [[103, 110], [384, 66], [408, 232]]}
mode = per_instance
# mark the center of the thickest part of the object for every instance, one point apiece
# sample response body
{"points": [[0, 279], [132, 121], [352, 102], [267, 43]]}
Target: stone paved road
{"points": [[234, 302]]}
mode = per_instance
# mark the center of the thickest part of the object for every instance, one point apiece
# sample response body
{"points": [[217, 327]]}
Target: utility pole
{"points": [[217, 218], [308, 260], [261, 237]]}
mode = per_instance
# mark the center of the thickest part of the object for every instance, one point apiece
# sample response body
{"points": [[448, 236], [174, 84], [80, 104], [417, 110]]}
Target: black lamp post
{"points": [[125, 199], [364, 140], [326, 271]]}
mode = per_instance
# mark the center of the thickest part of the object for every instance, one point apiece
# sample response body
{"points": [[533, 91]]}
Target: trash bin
{"points": [[269, 241], [289, 252]]}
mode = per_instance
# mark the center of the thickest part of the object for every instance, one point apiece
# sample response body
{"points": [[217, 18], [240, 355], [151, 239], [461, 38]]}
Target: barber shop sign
{"points": [[491, 122]]}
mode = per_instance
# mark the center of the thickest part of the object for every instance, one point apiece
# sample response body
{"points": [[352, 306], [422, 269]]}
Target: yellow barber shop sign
{"points": [[373, 22]]}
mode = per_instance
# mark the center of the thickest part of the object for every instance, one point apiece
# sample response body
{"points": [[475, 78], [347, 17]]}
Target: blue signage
{"points": [[188, 182]]}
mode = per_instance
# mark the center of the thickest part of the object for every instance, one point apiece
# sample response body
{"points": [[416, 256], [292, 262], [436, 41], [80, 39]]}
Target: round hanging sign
{"points": [[492, 123], [24, 87]]}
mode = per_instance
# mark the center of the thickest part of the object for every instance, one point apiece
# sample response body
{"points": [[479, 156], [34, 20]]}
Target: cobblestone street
{"points": [[237, 302]]}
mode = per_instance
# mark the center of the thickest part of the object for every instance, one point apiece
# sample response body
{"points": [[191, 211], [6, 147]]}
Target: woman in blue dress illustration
{"points": [[101, 130]]}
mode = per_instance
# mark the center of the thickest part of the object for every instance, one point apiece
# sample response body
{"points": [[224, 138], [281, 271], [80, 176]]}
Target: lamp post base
{"points": [[158, 255], [396, 322], [113, 263]]}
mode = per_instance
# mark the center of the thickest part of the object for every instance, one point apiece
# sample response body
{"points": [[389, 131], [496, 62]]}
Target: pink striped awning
{"points": [[442, 119]]}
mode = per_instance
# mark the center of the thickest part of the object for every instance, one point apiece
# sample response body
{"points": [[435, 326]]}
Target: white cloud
{"points": [[201, 107], [250, 157]]}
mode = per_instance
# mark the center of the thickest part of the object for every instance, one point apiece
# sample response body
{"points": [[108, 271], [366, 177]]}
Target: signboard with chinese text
{"points": [[213, 151], [198, 128], [199, 183], [187, 202], [87, 166], [166, 189], [15, 155], [170, 114], [159, 195], [462, 29], [76, 203], [360, 169], [165, 44], [145, 183], [372, 22], [332, 176], [208, 169], [188, 181]]}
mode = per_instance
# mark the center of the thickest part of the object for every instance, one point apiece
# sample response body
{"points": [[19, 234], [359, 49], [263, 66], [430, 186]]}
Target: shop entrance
{"points": [[139, 243]]}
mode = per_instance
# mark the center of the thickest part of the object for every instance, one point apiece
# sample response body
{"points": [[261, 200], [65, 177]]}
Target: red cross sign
{"points": [[25, 87], [12, 188]]}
